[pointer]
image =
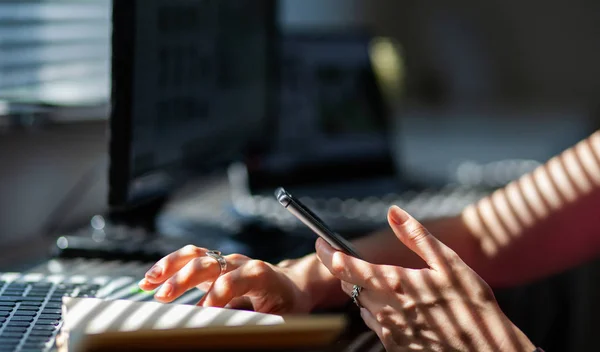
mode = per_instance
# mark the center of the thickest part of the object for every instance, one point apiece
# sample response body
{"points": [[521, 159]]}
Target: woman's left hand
{"points": [[446, 306]]}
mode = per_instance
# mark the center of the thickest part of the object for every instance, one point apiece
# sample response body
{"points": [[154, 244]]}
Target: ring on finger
{"points": [[355, 292], [216, 255]]}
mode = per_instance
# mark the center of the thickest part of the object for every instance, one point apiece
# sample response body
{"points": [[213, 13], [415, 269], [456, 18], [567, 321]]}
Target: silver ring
{"points": [[355, 292], [216, 255]]}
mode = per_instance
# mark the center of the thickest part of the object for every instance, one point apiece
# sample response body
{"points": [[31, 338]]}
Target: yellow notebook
{"points": [[92, 324]]}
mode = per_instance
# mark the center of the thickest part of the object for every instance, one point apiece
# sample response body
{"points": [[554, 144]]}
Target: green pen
{"points": [[136, 289]]}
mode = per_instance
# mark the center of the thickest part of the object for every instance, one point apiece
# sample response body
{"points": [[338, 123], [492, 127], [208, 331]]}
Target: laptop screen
{"points": [[190, 90], [332, 119]]}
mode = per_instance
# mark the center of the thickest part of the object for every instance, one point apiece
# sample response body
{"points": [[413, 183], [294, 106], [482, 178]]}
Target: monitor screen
{"points": [[190, 92]]}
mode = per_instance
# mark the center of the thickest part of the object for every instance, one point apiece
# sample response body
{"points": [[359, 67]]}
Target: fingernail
{"points": [[398, 215], [154, 272], [165, 290], [142, 282], [319, 243]]}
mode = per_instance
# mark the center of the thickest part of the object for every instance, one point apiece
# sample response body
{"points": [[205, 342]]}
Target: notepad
{"points": [[93, 324]]}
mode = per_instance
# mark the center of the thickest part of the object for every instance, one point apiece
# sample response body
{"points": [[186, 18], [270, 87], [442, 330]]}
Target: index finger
{"points": [[172, 263], [346, 267]]}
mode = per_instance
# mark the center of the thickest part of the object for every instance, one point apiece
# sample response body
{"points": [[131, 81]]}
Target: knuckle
{"points": [[396, 284], [484, 293], [454, 260], [190, 249], [225, 283], [382, 317], [166, 261], [174, 283], [258, 268], [338, 263], [417, 233], [236, 257], [373, 281], [200, 263], [346, 287]]}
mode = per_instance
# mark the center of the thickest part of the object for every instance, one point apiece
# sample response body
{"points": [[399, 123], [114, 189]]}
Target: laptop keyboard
{"points": [[31, 303], [30, 313]]}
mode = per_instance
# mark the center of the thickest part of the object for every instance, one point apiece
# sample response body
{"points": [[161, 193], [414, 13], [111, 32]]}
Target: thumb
{"points": [[416, 237]]}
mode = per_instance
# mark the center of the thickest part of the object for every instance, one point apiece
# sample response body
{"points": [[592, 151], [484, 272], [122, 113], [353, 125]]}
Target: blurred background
{"points": [[472, 93]]}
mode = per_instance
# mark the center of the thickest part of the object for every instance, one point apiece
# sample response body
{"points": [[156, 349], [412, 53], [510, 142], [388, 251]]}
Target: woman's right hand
{"points": [[265, 287]]}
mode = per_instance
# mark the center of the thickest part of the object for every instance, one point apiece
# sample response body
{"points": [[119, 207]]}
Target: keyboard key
{"points": [[34, 345], [51, 311], [54, 305], [11, 335], [67, 286], [13, 293], [7, 304], [4, 313], [19, 318], [41, 284], [18, 299], [15, 329], [30, 307], [38, 339], [47, 322], [50, 316], [37, 327], [25, 313], [18, 323], [41, 333], [9, 342], [6, 308]]}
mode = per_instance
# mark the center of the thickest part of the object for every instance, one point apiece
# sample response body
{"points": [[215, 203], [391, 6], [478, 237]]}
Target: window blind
{"points": [[55, 51]]}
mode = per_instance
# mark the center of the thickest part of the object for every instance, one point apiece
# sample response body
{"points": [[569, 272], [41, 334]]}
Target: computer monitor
{"points": [[190, 91]]}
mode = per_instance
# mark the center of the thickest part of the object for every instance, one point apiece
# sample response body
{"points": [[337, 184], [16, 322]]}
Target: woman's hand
{"points": [[446, 306], [246, 283]]}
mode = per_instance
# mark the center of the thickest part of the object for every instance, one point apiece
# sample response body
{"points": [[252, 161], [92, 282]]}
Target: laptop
{"points": [[190, 92], [332, 143]]}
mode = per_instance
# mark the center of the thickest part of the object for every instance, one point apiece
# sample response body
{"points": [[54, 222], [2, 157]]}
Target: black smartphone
{"points": [[311, 220]]}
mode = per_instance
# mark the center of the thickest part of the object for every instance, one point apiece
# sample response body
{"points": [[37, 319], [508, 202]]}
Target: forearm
{"points": [[543, 223]]}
